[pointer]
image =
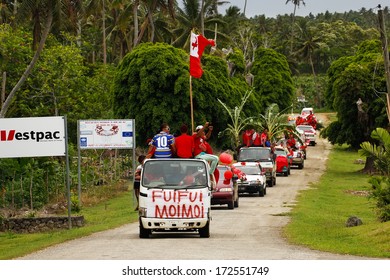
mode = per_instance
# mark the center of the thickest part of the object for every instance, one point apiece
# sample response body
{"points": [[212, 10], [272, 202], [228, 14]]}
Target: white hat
{"points": [[199, 127]]}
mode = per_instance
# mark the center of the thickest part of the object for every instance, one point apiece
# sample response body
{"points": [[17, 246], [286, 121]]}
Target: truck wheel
{"points": [[205, 231], [231, 204], [143, 232]]}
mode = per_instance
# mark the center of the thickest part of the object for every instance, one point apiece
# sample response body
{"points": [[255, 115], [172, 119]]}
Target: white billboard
{"points": [[32, 137], [106, 134]]}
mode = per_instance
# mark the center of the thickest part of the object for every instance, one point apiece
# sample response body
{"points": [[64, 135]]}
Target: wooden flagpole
{"points": [[192, 107]]}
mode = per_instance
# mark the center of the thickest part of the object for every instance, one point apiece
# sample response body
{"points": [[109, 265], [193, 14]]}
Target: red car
{"points": [[226, 191], [283, 161]]}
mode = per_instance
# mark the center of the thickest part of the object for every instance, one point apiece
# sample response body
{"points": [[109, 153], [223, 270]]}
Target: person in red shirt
{"points": [[256, 139], [247, 137], [184, 143], [264, 137], [202, 148], [291, 142]]}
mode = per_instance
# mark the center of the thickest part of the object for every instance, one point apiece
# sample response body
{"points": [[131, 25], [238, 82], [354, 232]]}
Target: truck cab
{"points": [[175, 195]]}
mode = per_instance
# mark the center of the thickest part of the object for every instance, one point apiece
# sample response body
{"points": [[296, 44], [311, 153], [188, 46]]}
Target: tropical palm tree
{"points": [[190, 18], [296, 3], [100, 6], [164, 6], [46, 9]]}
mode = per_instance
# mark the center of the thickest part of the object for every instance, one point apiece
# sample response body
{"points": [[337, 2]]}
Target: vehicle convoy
{"points": [[175, 195], [254, 180], [226, 190], [264, 156]]}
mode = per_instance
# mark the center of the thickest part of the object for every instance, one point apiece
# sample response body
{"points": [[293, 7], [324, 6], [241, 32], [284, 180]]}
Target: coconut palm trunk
{"points": [[27, 72]]}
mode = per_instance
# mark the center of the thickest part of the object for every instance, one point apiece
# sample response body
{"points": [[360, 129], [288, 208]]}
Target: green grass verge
{"points": [[318, 220], [107, 215]]}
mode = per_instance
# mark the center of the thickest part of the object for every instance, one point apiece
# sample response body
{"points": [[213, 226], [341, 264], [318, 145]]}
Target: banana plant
{"points": [[238, 120]]}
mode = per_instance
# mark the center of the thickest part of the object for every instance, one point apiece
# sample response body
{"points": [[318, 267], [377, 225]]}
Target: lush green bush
{"points": [[381, 193]]}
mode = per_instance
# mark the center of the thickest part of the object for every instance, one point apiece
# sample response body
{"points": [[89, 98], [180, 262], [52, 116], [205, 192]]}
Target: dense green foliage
{"points": [[360, 77], [380, 153], [273, 82]]}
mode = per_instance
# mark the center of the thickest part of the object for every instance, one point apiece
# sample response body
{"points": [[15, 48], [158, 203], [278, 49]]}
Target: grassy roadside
{"points": [[110, 214], [318, 220]]}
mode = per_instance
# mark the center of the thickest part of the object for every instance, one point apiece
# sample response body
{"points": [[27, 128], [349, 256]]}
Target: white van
{"points": [[175, 195]]}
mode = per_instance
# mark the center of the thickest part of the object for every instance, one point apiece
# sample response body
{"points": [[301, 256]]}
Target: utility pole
{"points": [[385, 57]]}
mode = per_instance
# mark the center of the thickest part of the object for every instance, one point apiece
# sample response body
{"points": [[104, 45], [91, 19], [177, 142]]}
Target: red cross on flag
{"points": [[198, 44]]}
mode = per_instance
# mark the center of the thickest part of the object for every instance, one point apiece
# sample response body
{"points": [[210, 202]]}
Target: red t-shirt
{"points": [[184, 146], [256, 139], [247, 138], [201, 145], [291, 142]]}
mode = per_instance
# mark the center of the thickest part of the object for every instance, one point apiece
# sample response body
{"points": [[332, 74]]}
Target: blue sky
{"points": [[271, 8]]}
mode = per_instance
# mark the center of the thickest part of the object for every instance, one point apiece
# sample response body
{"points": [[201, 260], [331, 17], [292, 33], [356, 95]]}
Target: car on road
{"points": [[309, 132], [283, 161], [226, 190], [262, 155], [253, 179], [298, 159]]}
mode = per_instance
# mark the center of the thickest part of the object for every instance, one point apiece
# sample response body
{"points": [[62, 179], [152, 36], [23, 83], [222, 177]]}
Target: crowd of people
{"points": [[166, 145], [310, 119]]}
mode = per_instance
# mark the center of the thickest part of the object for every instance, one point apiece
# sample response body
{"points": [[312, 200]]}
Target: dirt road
{"points": [[251, 231]]}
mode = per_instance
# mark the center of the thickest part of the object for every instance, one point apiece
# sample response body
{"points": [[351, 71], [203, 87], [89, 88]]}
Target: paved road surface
{"points": [[252, 231]]}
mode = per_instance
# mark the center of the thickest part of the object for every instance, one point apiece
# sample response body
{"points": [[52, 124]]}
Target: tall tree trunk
{"points": [[135, 16], [30, 67], [104, 33], [202, 17], [292, 29]]}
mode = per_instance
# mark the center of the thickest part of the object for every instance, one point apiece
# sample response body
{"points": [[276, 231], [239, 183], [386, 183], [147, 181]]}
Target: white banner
{"points": [[106, 134], [32, 137]]}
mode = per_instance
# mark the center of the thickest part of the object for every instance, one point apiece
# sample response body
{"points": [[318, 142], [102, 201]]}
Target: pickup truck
{"points": [[175, 195]]}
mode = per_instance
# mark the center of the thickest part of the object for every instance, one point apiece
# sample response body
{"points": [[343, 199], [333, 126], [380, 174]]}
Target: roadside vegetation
{"points": [[318, 221], [106, 214]]}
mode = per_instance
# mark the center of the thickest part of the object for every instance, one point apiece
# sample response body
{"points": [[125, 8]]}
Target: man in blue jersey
{"points": [[163, 143]]}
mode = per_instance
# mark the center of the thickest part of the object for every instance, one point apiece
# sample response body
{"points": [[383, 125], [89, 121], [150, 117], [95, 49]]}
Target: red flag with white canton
{"points": [[198, 44]]}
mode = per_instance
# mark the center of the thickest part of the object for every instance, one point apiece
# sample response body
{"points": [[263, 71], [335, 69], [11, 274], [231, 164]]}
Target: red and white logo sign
{"points": [[32, 137]]}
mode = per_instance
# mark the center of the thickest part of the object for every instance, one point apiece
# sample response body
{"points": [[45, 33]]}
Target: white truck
{"points": [[175, 195]]}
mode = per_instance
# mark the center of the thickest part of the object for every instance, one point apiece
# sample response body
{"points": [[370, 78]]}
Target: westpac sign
{"points": [[32, 137]]}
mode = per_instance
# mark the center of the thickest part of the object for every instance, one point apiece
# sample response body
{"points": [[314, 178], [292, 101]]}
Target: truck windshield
{"points": [[174, 174], [250, 170], [254, 154]]}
